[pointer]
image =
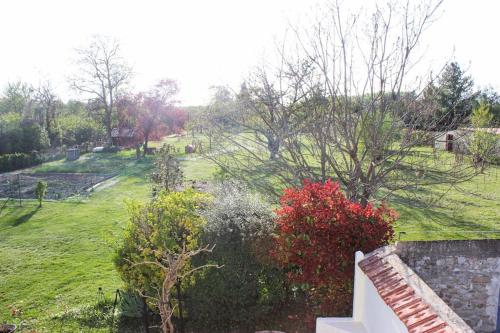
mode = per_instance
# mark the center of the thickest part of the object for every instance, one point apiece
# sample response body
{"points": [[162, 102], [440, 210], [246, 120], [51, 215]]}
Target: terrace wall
{"points": [[465, 274]]}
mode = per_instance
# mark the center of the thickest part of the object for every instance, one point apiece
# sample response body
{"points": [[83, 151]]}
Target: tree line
{"points": [[34, 118]]}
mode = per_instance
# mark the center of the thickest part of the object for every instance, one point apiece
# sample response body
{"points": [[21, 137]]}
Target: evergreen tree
{"points": [[455, 98]]}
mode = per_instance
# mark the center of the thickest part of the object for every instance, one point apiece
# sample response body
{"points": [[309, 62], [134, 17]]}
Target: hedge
{"points": [[11, 162]]}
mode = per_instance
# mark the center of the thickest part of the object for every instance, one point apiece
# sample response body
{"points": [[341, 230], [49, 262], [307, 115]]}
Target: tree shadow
{"points": [[25, 218]]}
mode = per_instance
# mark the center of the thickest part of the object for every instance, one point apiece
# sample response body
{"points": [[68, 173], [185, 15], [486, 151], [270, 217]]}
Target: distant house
{"points": [[456, 140], [123, 137], [431, 287]]}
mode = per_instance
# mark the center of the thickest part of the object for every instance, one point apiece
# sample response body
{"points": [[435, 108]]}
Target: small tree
{"points": [[167, 174], [40, 191], [161, 237], [173, 267], [482, 143], [319, 231]]}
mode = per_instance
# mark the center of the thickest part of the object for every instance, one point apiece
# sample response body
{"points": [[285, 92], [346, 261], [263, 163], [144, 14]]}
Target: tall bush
{"points": [[482, 143], [319, 230], [77, 129], [169, 224], [19, 135], [247, 288]]}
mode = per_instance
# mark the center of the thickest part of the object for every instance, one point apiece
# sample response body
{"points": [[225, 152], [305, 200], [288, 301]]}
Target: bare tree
{"points": [[173, 266], [349, 104], [102, 73]]}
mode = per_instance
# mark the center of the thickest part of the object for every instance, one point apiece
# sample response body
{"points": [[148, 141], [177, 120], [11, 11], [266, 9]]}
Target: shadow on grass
{"points": [[25, 217]]}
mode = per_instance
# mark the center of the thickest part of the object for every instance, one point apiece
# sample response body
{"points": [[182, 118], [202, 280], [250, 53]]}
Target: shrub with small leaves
{"points": [[40, 191], [248, 287]]}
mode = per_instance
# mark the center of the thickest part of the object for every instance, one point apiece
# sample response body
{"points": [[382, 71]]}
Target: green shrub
{"points": [[167, 223], [40, 191], [76, 130], [248, 287], [11, 162], [19, 135]]}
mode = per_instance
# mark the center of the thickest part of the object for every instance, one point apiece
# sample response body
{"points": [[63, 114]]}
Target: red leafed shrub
{"points": [[318, 232]]}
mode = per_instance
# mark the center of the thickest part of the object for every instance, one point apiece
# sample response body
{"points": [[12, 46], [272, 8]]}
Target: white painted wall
{"points": [[370, 313]]}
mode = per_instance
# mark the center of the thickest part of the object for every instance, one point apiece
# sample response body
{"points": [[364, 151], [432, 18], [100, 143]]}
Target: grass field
{"points": [[56, 257], [62, 253]]}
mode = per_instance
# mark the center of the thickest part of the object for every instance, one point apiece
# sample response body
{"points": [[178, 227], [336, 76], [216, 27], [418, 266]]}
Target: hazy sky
{"points": [[205, 43]]}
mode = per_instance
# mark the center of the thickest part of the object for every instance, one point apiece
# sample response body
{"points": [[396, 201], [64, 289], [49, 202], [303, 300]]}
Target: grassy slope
{"points": [[470, 210], [64, 248]]}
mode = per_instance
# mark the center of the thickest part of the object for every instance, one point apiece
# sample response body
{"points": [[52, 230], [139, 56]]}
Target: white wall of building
{"points": [[370, 313]]}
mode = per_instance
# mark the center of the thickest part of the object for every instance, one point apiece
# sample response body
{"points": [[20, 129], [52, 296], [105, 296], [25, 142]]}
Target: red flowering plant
{"points": [[318, 232]]}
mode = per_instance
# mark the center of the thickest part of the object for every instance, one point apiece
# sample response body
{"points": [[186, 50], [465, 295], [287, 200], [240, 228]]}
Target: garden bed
{"points": [[60, 185]]}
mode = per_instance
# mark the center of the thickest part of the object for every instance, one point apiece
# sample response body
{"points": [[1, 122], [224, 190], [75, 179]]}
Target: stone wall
{"points": [[465, 274]]}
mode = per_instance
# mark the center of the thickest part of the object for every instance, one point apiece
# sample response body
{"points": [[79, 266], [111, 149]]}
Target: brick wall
{"points": [[465, 274]]}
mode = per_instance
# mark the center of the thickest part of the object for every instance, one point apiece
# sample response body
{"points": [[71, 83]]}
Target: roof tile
{"points": [[392, 287]]}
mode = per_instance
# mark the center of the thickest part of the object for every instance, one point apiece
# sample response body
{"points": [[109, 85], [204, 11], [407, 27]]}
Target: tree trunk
{"points": [[107, 121], [47, 124], [273, 145], [181, 312], [145, 148]]}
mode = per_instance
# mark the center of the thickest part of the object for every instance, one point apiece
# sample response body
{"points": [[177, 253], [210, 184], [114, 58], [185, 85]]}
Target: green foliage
{"points": [[247, 288], [167, 223], [11, 162], [77, 129], [455, 97], [167, 174], [16, 98], [481, 116], [18, 135], [491, 98], [40, 191], [131, 305], [482, 144]]}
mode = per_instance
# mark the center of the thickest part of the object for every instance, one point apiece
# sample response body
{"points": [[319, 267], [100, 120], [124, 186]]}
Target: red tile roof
{"points": [[412, 310]]}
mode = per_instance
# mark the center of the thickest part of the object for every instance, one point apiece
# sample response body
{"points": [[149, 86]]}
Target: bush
{"points": [[19, 135], [40, 191], [248, 287], [76, 130], [11, 162], [319, 231], [166, 224]]}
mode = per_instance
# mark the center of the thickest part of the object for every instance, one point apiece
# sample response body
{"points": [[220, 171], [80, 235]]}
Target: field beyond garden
{"points": [[54, 259]]}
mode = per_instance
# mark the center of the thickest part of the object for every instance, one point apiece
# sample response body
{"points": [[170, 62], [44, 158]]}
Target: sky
{"points": [[203, 43]]}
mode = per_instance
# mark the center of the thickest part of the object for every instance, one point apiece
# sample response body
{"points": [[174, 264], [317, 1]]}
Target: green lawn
{"points": [[62, 253], [59, 255], [469, 210]]}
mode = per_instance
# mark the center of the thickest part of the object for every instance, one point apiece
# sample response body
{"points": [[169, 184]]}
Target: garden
{"points": [[70, 246], [242, 214]]}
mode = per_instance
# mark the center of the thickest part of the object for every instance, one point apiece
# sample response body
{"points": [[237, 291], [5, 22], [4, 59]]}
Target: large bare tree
{"points": [[352, 103], [102, 74]]}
